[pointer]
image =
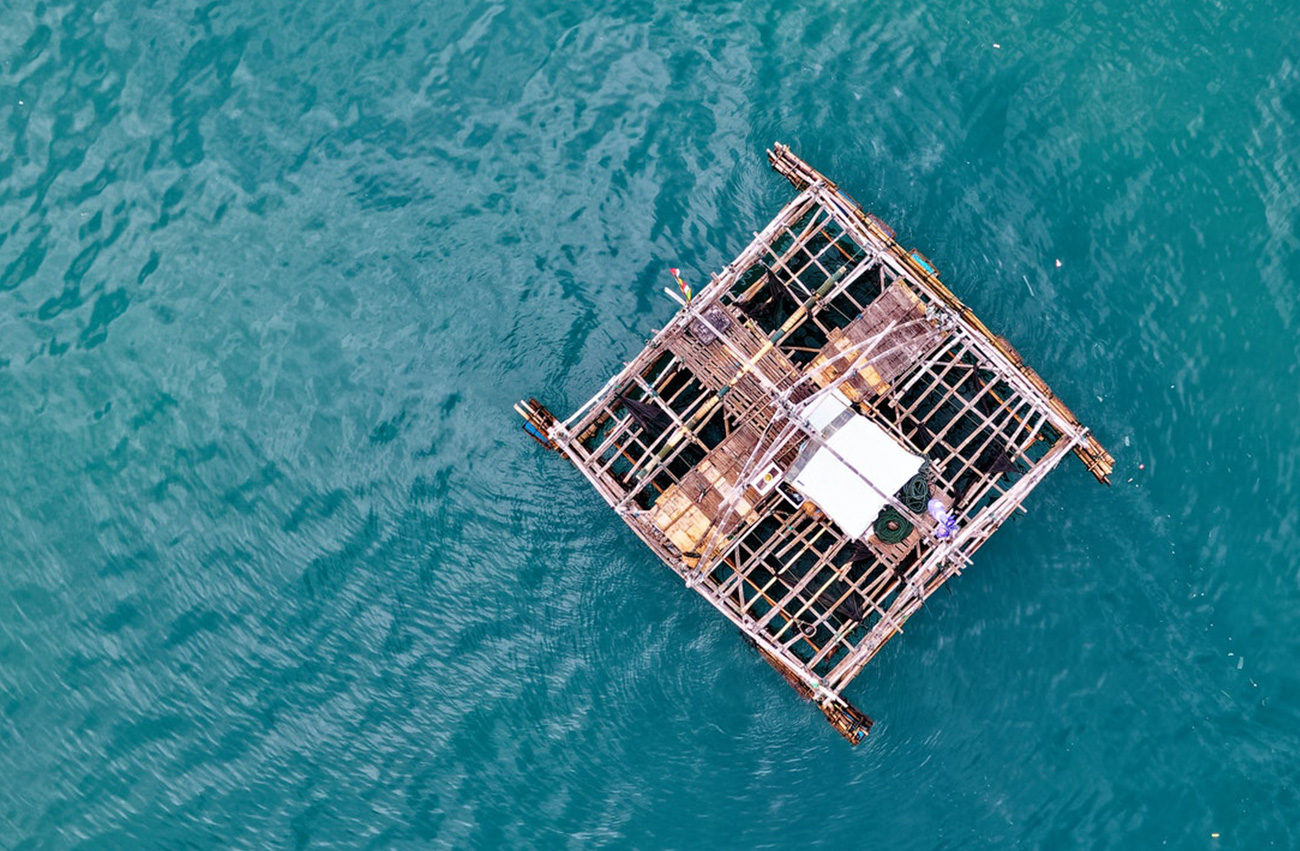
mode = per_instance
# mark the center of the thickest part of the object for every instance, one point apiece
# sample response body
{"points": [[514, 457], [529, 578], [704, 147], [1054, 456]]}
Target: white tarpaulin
{"points": [[840, 487]]}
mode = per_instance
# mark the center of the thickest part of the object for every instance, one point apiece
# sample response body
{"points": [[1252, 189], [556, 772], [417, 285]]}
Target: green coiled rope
{"points": [[891, 526], [916, 493]]}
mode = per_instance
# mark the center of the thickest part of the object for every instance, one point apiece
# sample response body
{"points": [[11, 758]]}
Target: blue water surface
{"points": [[280, 571]]}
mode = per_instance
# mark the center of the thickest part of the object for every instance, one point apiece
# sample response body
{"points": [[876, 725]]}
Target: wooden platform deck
{"points": [[731, 356], [688, 511], [881, 344], [694, 441]]}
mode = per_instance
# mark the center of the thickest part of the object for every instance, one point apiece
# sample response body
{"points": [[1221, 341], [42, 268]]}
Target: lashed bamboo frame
{"points": [[778, 571]]}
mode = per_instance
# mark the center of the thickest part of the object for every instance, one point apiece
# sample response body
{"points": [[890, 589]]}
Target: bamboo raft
{"points": [[791, 440]]}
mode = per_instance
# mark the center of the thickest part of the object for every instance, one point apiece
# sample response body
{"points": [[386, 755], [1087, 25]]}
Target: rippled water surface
{"points": [[281, 571]]}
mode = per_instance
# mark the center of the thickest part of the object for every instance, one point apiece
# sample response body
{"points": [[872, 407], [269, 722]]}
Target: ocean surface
{"points": [[279, 570]]}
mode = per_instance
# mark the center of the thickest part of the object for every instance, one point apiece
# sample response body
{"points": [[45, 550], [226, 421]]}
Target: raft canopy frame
{"points": [[694, 441]]}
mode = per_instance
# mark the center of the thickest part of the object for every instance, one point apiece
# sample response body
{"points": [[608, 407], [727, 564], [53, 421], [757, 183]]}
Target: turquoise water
{"points": [[281, 571]]}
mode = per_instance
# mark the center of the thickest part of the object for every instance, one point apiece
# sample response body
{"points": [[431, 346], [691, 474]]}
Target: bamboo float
{"points": [[718, 485]]}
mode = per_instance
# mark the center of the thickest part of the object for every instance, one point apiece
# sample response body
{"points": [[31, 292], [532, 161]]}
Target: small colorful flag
{"points": [[686, 291]]}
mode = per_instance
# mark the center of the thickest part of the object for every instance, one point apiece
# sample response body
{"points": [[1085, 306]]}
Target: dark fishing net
{"points": [[648, 415]]}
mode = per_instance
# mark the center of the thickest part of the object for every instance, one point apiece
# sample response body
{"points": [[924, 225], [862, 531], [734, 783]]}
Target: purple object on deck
{"points": [[947, 522]]}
